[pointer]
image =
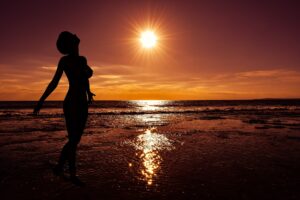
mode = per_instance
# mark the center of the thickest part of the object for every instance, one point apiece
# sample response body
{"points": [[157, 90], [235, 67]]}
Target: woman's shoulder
{"points": [[63, 59], [72, 59], [83, 59]]}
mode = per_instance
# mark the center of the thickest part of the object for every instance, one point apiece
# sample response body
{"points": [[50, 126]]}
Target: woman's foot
{"points": [[76, 181]]}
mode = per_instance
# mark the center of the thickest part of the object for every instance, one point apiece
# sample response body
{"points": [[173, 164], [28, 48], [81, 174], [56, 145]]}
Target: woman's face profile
{"points": [[76, 38]]}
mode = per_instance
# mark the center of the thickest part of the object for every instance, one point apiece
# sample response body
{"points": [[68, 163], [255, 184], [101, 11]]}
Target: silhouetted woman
{"points": [[75, 105]]}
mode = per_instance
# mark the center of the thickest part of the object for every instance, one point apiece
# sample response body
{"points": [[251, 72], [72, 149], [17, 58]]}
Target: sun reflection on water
{"points": [[150, 105], [149, 144]]}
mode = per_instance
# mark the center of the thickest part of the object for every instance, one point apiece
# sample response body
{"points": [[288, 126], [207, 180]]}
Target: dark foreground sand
{"points": [[205, 158]]}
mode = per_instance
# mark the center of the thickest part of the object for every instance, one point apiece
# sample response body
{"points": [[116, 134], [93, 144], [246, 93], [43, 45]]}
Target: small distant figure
{"points": [[76, 102]]}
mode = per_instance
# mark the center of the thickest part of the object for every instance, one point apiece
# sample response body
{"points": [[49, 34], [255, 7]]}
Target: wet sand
{"points": [[210, 156]]}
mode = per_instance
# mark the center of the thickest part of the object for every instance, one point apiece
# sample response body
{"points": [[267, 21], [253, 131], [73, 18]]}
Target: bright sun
{"points": [[148, 39]]}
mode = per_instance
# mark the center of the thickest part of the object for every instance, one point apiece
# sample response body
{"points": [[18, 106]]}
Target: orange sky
{"points": [[205, 50]]}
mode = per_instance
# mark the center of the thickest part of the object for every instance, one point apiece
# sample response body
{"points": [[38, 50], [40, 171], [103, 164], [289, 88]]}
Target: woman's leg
{"points": [[75, 126], [59, 168], [73, 143], [63, 155]]}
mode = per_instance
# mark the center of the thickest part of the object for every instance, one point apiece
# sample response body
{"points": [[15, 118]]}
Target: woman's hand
{"points": [[90, 97]]}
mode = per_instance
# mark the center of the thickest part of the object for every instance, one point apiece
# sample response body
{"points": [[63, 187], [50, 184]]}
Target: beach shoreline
{"points": [[203, 155]]}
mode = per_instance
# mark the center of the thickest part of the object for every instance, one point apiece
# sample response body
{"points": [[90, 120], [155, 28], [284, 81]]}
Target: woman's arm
{"points": [[89, 93], [51, 87]]}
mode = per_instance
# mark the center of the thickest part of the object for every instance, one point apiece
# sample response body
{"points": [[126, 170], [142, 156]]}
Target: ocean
{"points": [[242, 149], [143, 113]]}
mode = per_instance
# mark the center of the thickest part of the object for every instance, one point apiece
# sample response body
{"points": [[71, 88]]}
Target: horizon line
{"points": [[254, 99]]}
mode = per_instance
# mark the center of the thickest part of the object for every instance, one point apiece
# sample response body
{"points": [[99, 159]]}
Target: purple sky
{"points": [[208, 49]]}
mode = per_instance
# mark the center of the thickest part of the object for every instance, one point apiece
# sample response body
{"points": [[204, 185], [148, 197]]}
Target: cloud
{"points": [[117, 81], [246, 84], [274, 73], [109, 76], [114, 69], [49, 68], [261, 73]]}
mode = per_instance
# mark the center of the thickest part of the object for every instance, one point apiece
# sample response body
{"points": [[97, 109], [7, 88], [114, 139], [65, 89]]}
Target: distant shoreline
{"points": [[262, 99], [160, 103]]}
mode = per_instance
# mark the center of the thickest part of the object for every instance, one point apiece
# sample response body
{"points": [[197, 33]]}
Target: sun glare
{"points": [[148, 39]]}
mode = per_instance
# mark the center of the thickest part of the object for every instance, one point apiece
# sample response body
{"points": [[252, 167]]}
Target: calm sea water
{"points": [[163, 105], [180, 149], [16, 116]]}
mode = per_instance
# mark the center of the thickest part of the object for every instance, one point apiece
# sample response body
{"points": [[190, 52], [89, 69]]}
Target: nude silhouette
{"points": [[75, 105]]}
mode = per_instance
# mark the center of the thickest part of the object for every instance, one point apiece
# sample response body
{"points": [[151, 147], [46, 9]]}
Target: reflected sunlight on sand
{"points": [[148, 146]]}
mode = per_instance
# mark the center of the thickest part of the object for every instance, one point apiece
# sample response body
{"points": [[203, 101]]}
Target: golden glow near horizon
{"points": [[148, 39], [150, 105]]}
